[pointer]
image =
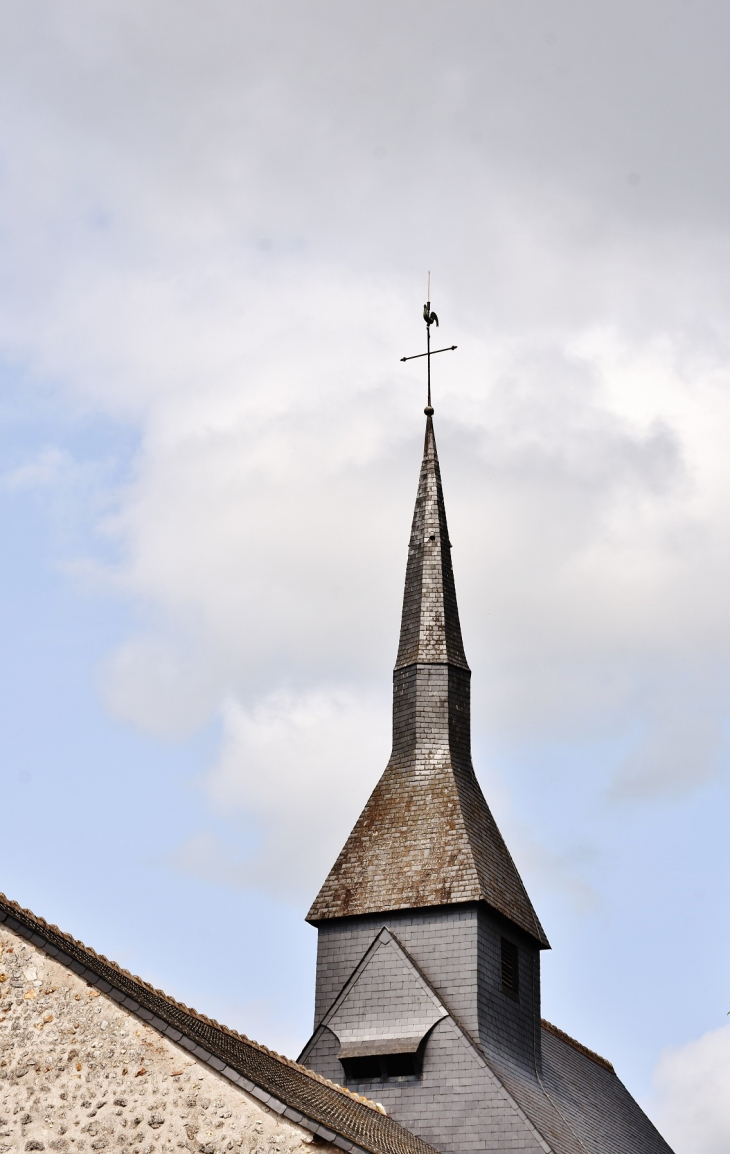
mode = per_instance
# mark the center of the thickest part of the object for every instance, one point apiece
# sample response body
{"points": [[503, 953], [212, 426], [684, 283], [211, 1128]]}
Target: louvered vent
{"points": [[510, 969]]}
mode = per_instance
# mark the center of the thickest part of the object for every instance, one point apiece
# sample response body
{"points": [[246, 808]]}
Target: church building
{"points": [[427, 1035]]}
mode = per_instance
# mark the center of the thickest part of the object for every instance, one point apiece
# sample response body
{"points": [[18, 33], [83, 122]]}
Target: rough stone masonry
{"points": [[79, 1073]]}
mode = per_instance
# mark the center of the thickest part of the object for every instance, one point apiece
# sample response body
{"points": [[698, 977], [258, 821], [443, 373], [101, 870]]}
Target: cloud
{"points": [[265, 525], [295, 769], [216, 225], [690, 1103], [684, 737], [48, 468], [294, 772], [159, 686], [221, 239]]}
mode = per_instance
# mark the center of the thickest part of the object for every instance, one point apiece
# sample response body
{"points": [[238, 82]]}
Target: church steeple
{"points": [[426, 837], [430, 631]]}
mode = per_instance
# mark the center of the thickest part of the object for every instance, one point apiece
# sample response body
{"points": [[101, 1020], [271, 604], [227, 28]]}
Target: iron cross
{"points": [[431, 319]]}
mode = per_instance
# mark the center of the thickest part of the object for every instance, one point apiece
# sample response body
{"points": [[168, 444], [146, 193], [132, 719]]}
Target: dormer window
{"points": [[510, 969]]}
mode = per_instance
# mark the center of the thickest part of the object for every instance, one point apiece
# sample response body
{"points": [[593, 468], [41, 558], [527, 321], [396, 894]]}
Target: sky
{"points": [[216, 223]]}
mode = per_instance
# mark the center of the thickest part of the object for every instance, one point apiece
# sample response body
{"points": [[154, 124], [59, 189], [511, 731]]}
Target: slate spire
{"points": [[426, 836], [430, 632]]}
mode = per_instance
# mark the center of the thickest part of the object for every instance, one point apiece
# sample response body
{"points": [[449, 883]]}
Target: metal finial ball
{"points": [[428, 411]]}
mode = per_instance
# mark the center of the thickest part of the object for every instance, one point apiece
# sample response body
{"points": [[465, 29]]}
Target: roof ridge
{"points": [[9, 903], [594, 1057]]}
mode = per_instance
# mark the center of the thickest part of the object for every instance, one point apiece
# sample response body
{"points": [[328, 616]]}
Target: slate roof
{"points": [[580, 1105], [332, 1112], [594, 1101], [427, 836]]}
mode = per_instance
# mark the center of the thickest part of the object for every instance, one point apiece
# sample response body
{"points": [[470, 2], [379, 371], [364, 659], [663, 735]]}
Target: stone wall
{"points": [[78, 1073]]}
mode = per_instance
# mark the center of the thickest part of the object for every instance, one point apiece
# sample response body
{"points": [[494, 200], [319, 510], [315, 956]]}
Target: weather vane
{"points": [[430, 319]]}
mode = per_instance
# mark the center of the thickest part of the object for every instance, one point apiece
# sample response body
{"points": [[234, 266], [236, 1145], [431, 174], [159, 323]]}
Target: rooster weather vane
{"points": [[431, 319]]}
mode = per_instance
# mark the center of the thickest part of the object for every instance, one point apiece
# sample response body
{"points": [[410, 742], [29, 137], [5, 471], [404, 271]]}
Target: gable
{"points": [[333, 1114], [386, 1007], [79, 1071], [457, 1104]]}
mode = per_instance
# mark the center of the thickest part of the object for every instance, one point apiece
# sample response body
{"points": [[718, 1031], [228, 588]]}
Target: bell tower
{"points": [[423, 921]]}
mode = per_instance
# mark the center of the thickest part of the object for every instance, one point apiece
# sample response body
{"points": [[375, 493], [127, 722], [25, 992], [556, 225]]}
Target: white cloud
{"points": [[159, 686], [266, 525], [296, 769], [47, 468], [690, 1102], [222, 238]]}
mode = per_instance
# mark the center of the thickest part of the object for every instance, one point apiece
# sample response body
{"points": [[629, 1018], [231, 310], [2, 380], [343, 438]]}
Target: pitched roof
{"points": [[334, 1113], [408, 1005], [594, 1057], [427, 836], [593, 1100], [578, 1103]]}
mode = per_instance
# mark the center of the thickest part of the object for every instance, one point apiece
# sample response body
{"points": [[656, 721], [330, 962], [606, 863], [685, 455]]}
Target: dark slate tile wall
{"points": [[458, 949], [320, 1055], [444, 944], [507, 1025]]}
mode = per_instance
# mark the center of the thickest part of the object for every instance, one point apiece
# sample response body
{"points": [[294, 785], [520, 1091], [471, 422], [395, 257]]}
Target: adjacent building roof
{"points": [[427, 836], [330, 1111]]}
